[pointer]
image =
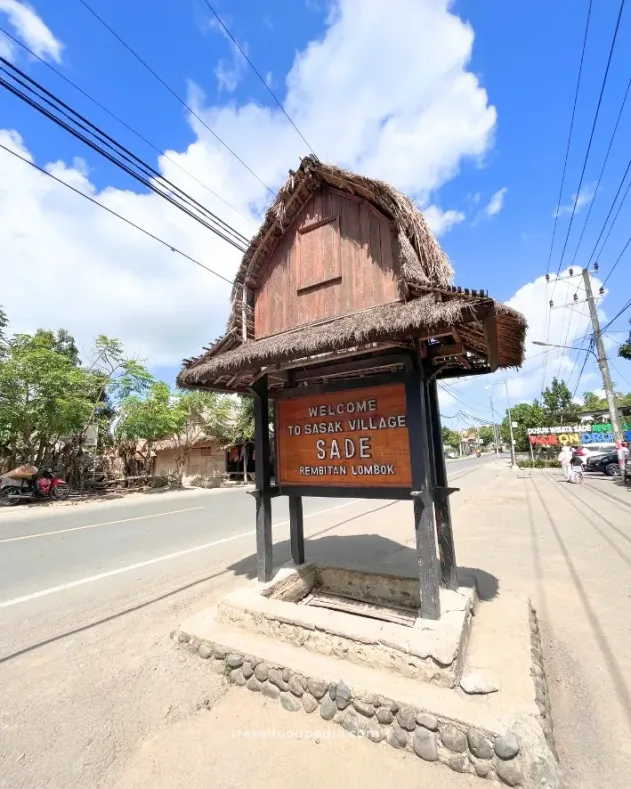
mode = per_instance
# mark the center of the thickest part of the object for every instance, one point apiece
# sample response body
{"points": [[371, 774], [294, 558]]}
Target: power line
{"points": [[613, 268], [615, 219], [619, 373], [591, 136], [611, 207], [602, 170], [173, 93], [615, 318], [254, 69], [83, 129], [114, 213], [580, 375], [569, 139], [126, 125]]}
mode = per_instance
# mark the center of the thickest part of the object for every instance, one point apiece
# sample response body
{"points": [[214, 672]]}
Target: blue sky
{"points": [[479, 96]]}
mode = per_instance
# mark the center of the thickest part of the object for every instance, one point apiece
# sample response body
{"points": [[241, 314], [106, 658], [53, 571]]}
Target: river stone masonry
{"points": [[432, 651], [541, 682], [430, 737]]}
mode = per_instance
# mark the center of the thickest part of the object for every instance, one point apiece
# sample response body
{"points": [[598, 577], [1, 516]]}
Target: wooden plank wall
{"points": [[348, 264]]}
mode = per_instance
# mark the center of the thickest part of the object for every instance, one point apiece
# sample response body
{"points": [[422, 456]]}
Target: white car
{"points": [[593, 450]]}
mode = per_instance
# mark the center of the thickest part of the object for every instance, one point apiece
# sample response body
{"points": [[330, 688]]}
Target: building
{"points": [[344, 267]]}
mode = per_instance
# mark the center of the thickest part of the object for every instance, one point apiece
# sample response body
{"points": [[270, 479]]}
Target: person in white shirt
{"points": [[623, 453], [565, 456]]}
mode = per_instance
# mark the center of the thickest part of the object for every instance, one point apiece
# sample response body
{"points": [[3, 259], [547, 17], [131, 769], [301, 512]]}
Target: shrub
{"points": [[539, 463]]}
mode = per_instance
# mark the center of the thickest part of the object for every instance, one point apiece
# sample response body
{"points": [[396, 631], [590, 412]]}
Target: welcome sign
{"points": [[570, 435], [355, 438]]}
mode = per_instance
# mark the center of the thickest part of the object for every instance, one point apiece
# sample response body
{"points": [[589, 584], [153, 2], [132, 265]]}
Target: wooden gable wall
{"points": [[340, 255]]}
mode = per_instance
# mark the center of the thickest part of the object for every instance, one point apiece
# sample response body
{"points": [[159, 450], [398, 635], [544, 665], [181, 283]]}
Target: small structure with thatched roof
{"points": [[346, 264], [343, 312]]}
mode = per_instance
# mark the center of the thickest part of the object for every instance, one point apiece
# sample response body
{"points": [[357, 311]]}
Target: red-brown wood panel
{"points": [[346, 260]]}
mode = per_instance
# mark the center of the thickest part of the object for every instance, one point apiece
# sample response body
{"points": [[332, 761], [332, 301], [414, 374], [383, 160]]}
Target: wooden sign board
{"points": [[354, 438]]}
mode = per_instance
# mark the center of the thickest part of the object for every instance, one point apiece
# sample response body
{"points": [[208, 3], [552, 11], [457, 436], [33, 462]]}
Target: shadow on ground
{"points": [[369, 553]]}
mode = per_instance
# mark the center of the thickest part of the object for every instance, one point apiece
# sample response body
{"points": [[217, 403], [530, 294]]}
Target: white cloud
{"points": [[442, 221], [410, 117], [563, 325], [229, 74], [585, 196], [496, 203], [31, 29]]}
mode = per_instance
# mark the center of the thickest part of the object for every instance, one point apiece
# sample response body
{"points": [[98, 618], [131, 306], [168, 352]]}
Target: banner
{"points": [[572, 435]]}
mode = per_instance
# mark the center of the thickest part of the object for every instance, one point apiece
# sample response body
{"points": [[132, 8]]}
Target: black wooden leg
{"points": [[296, 529], [262, 470], [264, 562], [424, 516], [448, 568]]}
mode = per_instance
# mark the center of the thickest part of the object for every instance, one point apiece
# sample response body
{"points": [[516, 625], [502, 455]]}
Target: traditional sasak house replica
{"points": [[344, 314]]}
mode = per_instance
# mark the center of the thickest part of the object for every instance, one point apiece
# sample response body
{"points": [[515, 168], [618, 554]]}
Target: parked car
{"points": [[627, 470], [606, 464], [593, 450]]}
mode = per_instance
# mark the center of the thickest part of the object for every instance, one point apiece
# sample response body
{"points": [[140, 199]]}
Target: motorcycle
{"points": [[40, 485]]}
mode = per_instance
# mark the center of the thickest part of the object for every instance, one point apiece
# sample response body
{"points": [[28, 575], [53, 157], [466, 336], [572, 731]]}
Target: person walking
{"points": [[623, 452], [576, 467], [565, 456]]}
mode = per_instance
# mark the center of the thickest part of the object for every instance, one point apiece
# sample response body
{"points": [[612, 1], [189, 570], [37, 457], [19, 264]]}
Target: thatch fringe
{"points": [[395, 321]]}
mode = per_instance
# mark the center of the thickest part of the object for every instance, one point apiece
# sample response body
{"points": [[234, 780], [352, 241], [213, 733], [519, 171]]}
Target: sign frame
{"points": [[341, 491]]}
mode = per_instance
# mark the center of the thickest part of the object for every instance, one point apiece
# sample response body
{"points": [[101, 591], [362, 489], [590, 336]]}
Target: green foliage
{"points": [[526, 415], [624, 350], [450, 437], [486, 434], [538, 463], [43, 394], [182, 417], [558, 407], [592, 402]]}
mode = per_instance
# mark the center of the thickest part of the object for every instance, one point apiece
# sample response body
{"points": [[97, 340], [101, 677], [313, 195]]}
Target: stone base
{"points": [[502, 736], [421, 649]]}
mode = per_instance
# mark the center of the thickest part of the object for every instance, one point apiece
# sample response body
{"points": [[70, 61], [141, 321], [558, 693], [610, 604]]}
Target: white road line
{"points": [[95, 525], [92, 578]]}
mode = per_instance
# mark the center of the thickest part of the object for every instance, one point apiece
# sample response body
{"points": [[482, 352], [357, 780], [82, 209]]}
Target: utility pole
{"points": [[510, 427], [601, 358], [495, 429]]}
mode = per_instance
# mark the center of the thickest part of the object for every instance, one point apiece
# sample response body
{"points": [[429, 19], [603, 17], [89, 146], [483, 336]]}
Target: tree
{"points": [[450, 437], [591, 402], [43, 397], [525, 415], [487, 434], [558, 407], [182, 418], [625, 349]]}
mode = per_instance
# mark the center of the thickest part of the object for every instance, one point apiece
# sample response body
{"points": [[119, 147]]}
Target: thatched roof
{"points": [[431, 306]]}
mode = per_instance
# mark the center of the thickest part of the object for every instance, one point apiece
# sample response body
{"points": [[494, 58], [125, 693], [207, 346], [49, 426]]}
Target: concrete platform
{"points": [[422, 649], [499, 736]]}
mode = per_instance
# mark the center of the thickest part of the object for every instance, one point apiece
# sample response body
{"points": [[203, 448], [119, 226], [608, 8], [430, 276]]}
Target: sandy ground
{"points": [[94, 694], [247, 741]]}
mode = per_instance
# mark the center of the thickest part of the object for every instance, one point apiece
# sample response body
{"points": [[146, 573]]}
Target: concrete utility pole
{"points": [[601, 358], [510, 427], [495, 429]]}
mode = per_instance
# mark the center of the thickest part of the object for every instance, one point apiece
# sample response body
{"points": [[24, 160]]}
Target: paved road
{"points": [[48, 550]]}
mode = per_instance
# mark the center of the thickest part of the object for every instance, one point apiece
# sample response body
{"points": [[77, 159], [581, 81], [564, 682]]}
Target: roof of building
{"points": [[487, 334]]}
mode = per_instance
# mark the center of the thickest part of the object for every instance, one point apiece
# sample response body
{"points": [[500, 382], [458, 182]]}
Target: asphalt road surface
{"points": [[49, 550]]}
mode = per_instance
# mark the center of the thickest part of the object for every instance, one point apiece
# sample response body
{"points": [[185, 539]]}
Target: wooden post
{"points": [[424, 517], [448, 568], [296, 529], [264, 562]]}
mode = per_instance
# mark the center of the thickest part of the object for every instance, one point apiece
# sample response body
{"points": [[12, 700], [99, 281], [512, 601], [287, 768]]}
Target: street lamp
{"points": [[569, 347], [513, 460], [495, 429]]}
